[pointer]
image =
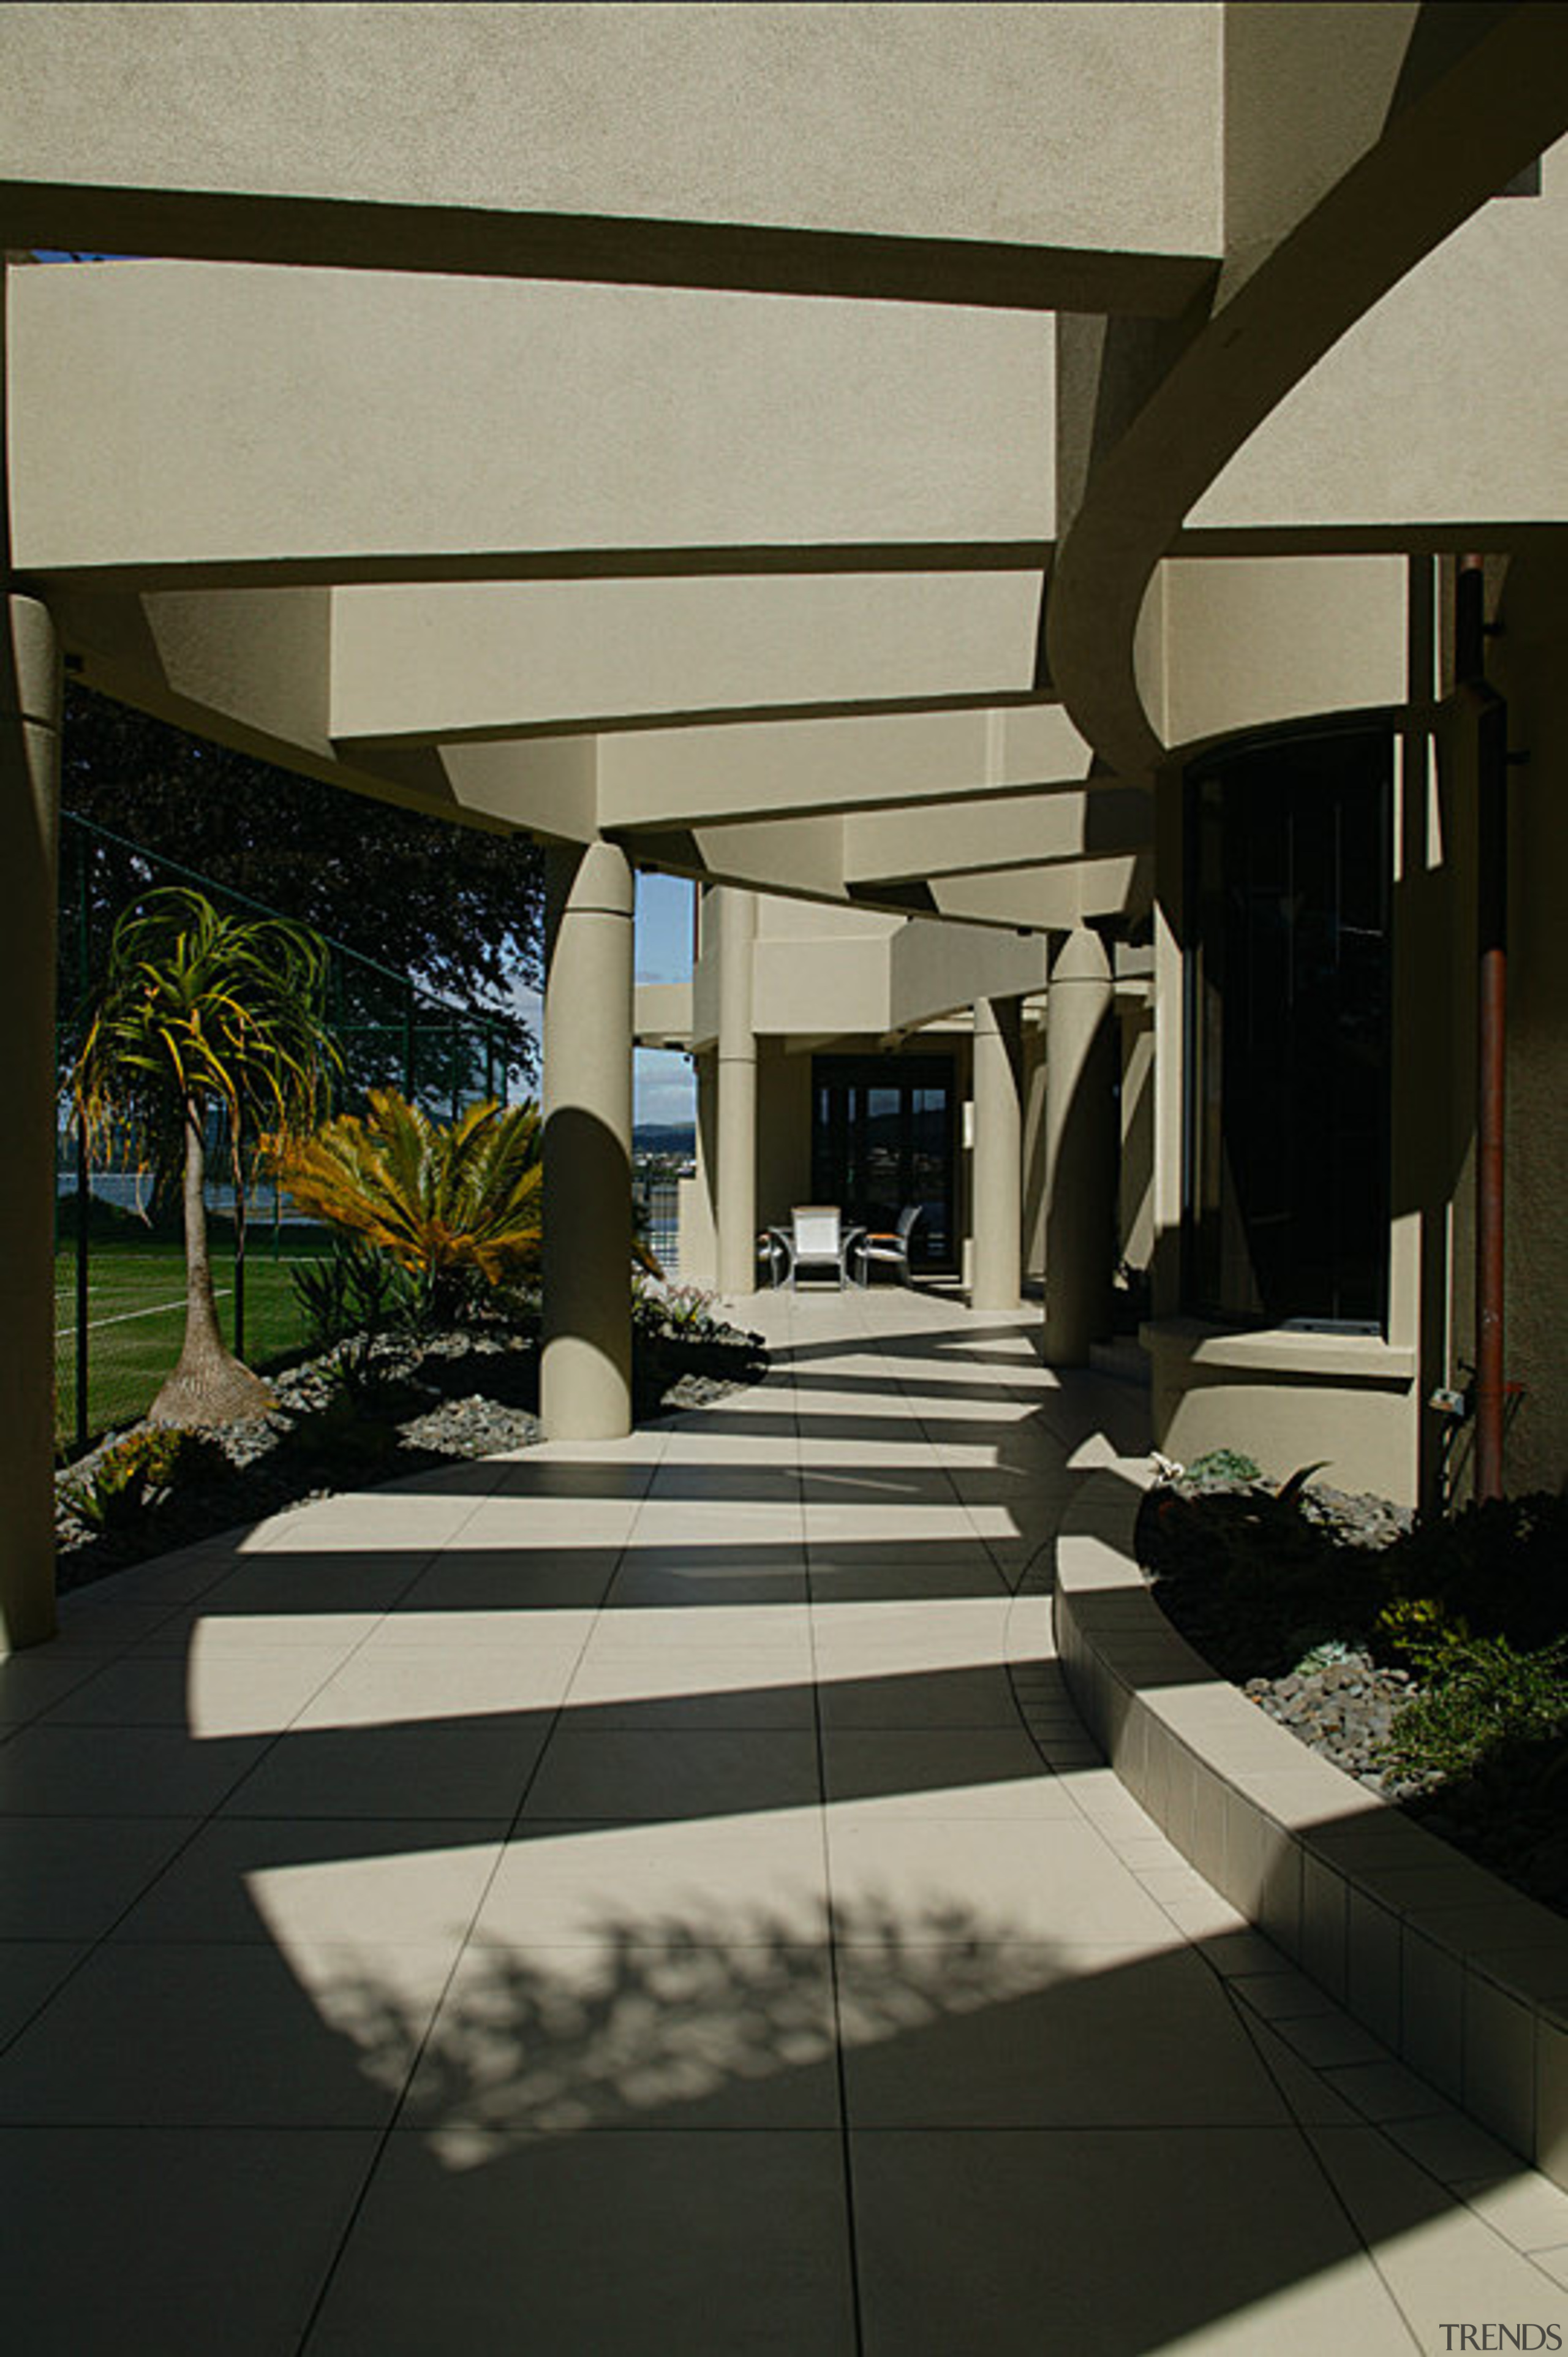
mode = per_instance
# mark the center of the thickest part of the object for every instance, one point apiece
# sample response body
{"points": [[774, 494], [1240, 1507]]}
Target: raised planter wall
{"points": [[1463, 1978]]}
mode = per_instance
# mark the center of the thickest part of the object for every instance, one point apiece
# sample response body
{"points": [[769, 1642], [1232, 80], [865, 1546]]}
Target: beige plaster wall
{"points": [[826, 972], [661, 1014], [795, 856], [936, 968], [698, 1240], [259, 657], [1307, 90], [706, 969], [548, 785], [249, 668], [815, 969], [1289, 1400], [1466, 440], [819, 969], [1251, 641], [1163, 414], [783, 1134], [825, 987]]}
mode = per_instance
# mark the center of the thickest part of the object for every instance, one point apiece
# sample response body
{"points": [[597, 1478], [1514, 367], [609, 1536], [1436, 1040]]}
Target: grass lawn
{"points": [[136, 1317]]}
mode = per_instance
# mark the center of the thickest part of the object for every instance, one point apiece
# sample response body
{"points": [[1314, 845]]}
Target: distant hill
{"points": [[665, 1137]]}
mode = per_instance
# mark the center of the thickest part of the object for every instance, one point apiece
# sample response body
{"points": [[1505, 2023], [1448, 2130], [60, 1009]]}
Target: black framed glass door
{"points": [[883, 1133]]}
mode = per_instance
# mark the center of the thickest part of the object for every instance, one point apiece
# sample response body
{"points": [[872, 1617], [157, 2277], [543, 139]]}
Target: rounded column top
{"points": [[595, 881], [1082, 958], [30, 678]]}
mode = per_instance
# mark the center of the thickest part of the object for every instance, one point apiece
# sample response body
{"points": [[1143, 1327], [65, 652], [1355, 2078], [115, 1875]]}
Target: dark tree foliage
{"points": [[459, 911]]}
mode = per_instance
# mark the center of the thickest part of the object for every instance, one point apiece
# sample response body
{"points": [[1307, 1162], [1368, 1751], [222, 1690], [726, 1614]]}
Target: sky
{"points": [[663, 1085], [663, 1088]]}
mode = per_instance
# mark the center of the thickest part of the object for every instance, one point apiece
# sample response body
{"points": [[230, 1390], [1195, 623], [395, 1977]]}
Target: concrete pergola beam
{"points": [[1050, 899], [441, 663], [179, 422], [1025, 832], [704, 776], [932, 967], [555, 142]]}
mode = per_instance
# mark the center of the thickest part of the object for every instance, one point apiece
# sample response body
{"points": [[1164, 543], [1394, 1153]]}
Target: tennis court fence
{"points": [[119, 1256]]}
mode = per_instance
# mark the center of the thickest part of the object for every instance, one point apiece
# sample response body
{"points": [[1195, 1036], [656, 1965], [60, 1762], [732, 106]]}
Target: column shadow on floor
{"points": [[896, 2121]]}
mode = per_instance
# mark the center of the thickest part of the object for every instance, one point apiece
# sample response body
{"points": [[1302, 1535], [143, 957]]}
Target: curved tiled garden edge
{"points": [[1462, 1977]]}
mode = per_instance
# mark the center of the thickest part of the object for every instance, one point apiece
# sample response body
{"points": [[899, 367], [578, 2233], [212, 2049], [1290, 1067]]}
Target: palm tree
{"points": [[439, 1200], [199, 1011]]}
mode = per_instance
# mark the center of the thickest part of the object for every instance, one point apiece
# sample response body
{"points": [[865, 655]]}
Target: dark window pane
{"points": [[886, 1142], [1287, 1020]]}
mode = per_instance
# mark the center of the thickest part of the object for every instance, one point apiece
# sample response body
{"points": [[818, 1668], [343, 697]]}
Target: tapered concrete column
{"points": [[737, 1097], [29, 866], [586, 1376], [699, 1217], [998, 1154], [1080, 1149], [1034, 1154]]}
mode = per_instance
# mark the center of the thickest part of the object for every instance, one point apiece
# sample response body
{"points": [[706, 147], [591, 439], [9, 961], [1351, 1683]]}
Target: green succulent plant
{"points": [[443, 1201]]}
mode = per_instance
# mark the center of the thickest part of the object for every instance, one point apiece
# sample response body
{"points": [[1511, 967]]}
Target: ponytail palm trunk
{"points": [[210, 1385], [200, 1010]]}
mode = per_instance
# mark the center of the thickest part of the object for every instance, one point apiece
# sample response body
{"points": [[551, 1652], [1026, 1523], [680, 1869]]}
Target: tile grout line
{"points": [[433, 1556], [1252, 2021], [212, 1814], [852, 2248], [459, 1954], [1240, 2012], [1249, 2024]]}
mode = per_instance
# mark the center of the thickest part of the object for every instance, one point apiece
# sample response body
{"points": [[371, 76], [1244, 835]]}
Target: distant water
{"points": [[131, 1190]]}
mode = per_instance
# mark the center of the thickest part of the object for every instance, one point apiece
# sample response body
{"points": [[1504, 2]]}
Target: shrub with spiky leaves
{"points": [[445, 1201], [128, 1481]]}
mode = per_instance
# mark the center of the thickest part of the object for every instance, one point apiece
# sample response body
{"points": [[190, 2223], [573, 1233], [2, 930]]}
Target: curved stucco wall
{"points": [[1476, 341], [1227, 644]]}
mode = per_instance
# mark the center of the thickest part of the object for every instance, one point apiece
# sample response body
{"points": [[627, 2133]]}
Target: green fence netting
{"points": [[119, 1259]]}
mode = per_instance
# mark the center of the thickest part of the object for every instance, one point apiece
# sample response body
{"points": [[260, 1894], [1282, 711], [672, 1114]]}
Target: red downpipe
{"points": [[1491, 750]]}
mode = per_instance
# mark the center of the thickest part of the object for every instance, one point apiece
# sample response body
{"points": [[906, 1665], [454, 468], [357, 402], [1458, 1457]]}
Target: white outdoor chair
{"points": [[773, 1254], [817, 1239], [893, 1248]]}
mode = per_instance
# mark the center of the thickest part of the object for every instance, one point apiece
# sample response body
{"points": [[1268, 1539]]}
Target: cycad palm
{"points": [[440, 1199], [198, 1009]]}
